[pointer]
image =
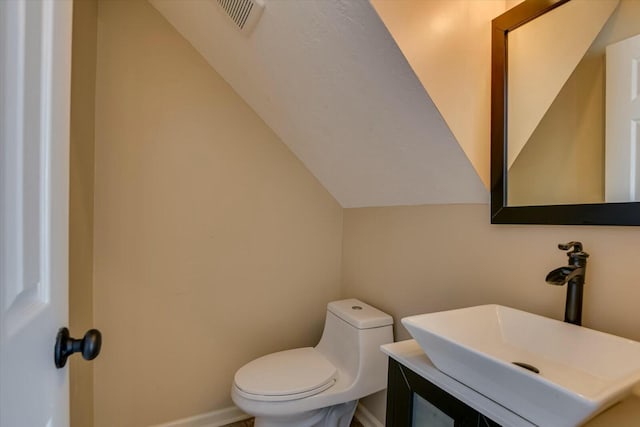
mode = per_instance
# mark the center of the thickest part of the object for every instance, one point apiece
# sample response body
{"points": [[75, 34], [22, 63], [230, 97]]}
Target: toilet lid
{"points": [[292, 372]]}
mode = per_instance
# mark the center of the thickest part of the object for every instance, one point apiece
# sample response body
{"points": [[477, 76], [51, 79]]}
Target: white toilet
{"points": [[319, 386]]}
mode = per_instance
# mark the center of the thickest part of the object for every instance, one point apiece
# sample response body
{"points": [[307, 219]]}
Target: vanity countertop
{"points": [[410, 354]]}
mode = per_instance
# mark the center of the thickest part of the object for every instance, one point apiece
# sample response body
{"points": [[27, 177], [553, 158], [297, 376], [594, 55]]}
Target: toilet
{"points": [[319, 386]]}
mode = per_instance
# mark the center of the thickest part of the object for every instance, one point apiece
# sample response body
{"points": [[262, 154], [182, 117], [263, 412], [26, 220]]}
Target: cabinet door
{"points": [[414, 401]]}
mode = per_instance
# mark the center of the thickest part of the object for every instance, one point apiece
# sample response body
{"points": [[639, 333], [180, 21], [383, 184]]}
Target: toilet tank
{"points": [[351, 340], [359, 314]]}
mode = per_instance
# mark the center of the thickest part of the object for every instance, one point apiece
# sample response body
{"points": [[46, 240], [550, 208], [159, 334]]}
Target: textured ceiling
{"points": [[330, 81]]}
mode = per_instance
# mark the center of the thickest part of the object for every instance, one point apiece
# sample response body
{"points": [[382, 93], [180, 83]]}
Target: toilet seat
{"points": [[286, 375]]}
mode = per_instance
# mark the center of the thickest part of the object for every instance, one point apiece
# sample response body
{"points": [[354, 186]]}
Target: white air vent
{"points": [[244, 13]]}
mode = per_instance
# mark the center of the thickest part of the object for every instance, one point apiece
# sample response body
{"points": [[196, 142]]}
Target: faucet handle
{"points": [[576, 254], [577, 246]]}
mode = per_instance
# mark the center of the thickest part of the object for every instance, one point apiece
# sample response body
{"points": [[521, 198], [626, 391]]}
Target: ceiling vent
{"points": [[244, 13]]}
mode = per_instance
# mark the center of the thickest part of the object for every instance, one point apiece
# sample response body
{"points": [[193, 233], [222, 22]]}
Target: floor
{"points": [[249, 423]]}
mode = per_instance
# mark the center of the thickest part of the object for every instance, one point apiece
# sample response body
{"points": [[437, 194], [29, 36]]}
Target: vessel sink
{"points": [[550, 372]]}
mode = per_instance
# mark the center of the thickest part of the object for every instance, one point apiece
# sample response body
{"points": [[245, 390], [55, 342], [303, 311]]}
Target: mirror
{"points": [[566, 113]]}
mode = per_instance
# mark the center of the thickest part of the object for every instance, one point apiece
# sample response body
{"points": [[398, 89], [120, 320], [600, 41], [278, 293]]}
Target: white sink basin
{"points": [[582, 371]]}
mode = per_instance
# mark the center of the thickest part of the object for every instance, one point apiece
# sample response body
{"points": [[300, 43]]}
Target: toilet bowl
{"points": [[319, 386]]}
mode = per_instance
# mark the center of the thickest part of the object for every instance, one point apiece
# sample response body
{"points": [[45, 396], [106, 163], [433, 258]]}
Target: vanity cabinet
{"points": [[420, 395], [414, 401]]}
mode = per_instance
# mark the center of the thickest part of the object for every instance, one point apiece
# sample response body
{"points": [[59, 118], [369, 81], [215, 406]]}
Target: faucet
{"points": [[573, 275]]}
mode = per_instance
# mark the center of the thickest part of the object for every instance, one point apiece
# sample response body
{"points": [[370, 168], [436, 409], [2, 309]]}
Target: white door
{"points": [[35, 53], [622, 139]]}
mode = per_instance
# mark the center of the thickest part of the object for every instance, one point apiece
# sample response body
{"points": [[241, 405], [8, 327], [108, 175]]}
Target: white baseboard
{"points": [[233, 414], [366, 418], [218, 418]]}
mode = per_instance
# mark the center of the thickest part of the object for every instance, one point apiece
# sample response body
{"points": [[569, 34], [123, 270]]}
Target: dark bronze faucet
{"points": [[573, 275]]}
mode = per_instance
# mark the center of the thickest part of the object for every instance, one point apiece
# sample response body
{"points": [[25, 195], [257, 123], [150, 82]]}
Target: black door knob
{"points": [[89, 346]]}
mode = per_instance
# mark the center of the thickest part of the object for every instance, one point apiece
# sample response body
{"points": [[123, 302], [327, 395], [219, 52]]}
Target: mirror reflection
{"points": [[573, 106]]}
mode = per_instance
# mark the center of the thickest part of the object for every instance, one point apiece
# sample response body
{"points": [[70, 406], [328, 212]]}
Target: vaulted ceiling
{"points": [[331, 82]]}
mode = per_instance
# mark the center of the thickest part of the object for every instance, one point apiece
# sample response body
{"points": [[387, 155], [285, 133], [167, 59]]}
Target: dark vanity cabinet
{"points": [[413, 401], [420, 395]]}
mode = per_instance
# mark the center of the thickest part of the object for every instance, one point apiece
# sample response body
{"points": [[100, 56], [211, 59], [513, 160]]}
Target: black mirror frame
{"points": [[586, 214]]}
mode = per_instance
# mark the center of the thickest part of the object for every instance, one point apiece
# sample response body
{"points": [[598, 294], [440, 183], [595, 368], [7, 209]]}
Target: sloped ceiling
{"points": [[448, 45], [328, 78]]}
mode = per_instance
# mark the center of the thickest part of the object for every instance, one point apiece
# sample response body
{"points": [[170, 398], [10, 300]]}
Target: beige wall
{"points": [[411, 260], [448, 45], [83, 73], [512, 3], [213, 243]]}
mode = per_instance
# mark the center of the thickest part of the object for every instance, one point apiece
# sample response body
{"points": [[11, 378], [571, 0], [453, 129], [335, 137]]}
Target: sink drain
{"points": [[527, 367]]}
